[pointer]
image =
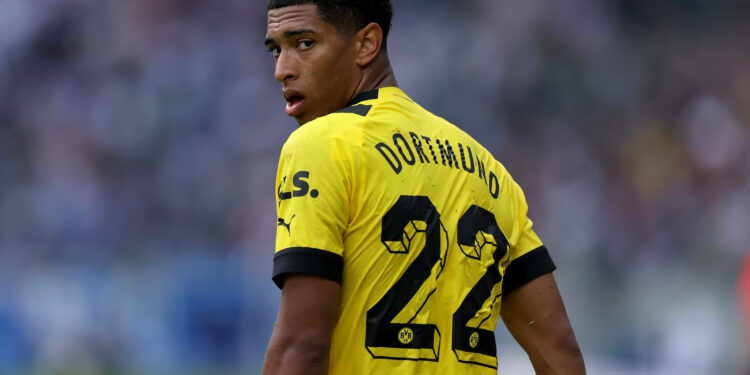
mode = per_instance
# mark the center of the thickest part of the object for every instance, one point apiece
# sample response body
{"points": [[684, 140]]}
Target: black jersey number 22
{"points": [[477, 227]]}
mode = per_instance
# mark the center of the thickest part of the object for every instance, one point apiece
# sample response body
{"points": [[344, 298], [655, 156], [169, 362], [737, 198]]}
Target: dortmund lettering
{"points": [[480, 167], [418, 147], [427, 140], [463, 159], [411, 159], [448, 158], [446, 153], [393, 161], [494, 186]]}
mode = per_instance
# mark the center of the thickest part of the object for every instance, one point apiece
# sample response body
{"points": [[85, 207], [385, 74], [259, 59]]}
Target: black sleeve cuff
{"points": [[527, 267], [309, 261]]}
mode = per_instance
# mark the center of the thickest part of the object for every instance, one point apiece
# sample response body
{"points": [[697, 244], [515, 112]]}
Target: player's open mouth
{"points": [[294, 105]]}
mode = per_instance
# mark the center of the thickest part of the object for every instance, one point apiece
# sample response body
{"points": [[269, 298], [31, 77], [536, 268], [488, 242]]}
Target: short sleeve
{"points": [[312, 196], [529, 257]]}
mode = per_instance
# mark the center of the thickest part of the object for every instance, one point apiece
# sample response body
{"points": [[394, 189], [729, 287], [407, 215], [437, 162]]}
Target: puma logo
{"points": [[286, 225]]}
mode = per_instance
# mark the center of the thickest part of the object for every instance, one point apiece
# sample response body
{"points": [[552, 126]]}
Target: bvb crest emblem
{"points": [[405, 335], [474, 340]]}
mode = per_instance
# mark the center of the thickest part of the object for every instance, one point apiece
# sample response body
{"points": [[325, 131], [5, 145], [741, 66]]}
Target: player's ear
{"points": [[368, 42]]}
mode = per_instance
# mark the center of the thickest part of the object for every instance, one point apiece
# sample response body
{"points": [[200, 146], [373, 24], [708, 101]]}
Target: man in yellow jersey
{"points": [[400, 239]]}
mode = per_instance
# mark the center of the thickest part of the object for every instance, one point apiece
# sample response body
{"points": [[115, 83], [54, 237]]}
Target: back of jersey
{"points": [[422, 227]]}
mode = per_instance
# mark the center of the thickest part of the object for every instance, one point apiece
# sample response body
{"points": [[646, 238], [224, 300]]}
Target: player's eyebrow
{"points": [[289, 34]]}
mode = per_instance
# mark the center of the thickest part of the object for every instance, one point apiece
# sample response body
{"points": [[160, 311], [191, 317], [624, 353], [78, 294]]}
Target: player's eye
{"points": [[305, 44], [275, 51]]}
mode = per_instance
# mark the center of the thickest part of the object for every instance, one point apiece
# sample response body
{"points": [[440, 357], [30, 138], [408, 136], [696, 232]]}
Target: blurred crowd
{"points": [[139, 142]]}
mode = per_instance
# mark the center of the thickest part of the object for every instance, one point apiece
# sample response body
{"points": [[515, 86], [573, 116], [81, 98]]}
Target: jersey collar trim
{"points": [[367, 95]]}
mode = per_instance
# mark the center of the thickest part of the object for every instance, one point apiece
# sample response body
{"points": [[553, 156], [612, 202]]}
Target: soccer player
{"points": [[400, 239]]}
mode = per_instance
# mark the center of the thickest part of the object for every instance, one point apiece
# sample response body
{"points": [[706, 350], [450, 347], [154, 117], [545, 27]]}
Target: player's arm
{"points": [[301, 338], [535, 315]]}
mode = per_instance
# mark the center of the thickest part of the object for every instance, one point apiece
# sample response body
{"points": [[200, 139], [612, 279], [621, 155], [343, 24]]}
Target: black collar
{"points": [[367, 95]]}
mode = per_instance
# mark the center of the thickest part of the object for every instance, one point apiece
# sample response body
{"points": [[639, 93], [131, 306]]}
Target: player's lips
{"points": [[293, 102]]}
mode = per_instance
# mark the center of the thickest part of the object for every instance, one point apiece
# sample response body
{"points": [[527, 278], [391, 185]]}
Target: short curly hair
{"points": [[348, 16]]}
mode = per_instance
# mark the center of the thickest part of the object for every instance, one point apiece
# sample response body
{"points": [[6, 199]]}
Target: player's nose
{"points": [[285, 67]]}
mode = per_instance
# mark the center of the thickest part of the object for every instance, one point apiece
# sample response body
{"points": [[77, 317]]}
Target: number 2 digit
{"points": [[477, 232], [401, 224]]}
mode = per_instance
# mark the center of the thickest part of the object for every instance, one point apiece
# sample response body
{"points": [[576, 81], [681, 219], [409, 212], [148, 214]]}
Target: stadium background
{"points": [[139, 141]]}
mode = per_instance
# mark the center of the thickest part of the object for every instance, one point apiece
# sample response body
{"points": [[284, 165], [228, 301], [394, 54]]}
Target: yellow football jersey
{"points": [[422, 227]]}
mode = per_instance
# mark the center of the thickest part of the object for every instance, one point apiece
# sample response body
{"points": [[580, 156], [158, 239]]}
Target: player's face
{"points": [[314, 63]]}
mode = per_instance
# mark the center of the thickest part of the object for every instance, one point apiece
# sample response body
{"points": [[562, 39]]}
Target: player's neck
{"points": [[377, 75]]}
